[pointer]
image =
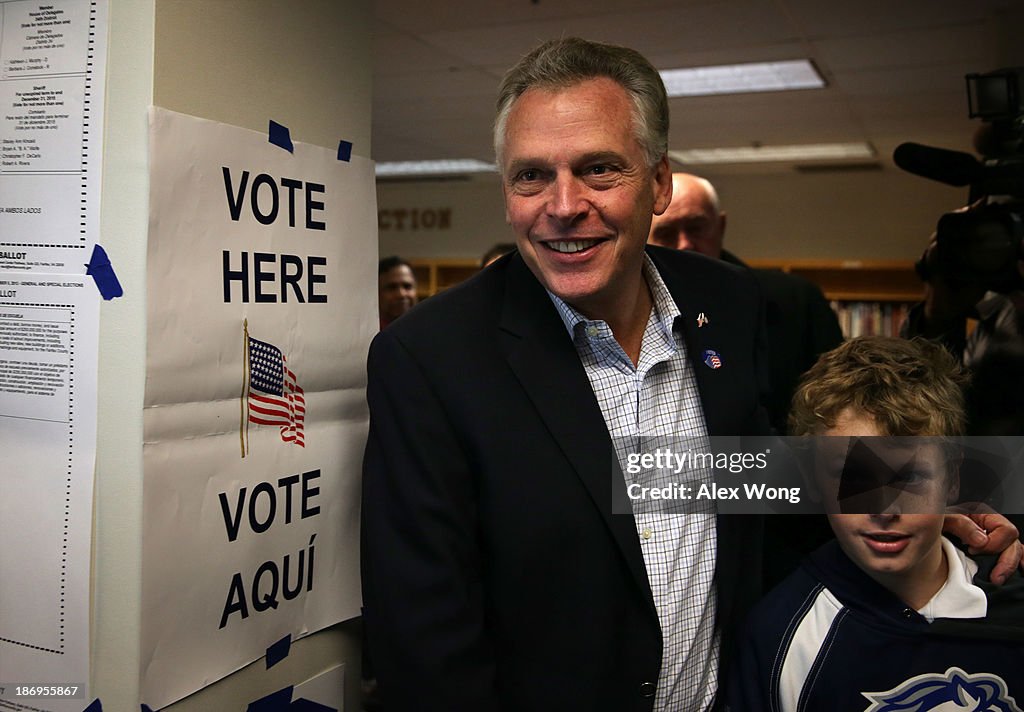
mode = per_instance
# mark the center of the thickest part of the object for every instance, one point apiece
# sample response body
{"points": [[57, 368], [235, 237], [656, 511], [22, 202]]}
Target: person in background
{"points": [[978, 315], [396, 289], [889, 614], [499, 250], [992, 350], [799, 321]]}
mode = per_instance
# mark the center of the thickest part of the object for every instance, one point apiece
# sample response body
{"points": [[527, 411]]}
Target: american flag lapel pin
{"points": [[712, 359], [702, 320]]}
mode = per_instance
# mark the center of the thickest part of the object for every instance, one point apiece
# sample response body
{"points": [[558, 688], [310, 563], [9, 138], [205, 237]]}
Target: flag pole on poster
{"points": [[243, 401]]}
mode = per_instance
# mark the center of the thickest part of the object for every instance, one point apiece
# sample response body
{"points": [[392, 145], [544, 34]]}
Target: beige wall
{"points": [[477, 218], [303, 63], [876, 215]]}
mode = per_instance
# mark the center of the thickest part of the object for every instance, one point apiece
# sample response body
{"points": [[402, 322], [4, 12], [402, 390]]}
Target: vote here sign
{"points": [[261, 305]]}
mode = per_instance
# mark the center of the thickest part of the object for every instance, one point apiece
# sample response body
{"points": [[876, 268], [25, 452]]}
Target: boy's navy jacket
{"points": [[830, 638]]}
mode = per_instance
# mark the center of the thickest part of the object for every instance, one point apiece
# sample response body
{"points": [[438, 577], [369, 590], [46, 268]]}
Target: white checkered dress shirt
{"points": [[659, 397]]}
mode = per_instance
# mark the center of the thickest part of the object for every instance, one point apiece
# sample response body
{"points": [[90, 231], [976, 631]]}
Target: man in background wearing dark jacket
{"points": [[800, 324]]}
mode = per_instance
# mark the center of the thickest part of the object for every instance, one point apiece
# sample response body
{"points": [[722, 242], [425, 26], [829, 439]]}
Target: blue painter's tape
{"points": [[345, 151], [103, 274], [279, 701], [278, 651], [304, 705], [280, 136], [95, 706]]}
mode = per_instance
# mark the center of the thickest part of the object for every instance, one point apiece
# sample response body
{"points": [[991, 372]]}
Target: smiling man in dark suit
{"points": [[496, 573]]}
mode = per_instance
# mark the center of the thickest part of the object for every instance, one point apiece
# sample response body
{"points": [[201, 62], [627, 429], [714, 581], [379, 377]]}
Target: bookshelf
{"points": [[437, 275], [869, 296], [856, 280]]}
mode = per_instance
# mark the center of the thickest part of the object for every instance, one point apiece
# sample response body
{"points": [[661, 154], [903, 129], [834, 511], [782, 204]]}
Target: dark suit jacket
{"points": [[800, 326], [494, 574]]}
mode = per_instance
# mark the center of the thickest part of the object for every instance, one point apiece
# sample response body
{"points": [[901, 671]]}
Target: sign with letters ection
{"points": [[262, 304], [414, 219]]}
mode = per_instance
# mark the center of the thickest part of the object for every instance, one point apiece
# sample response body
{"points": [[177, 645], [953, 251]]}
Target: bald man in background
{"points": [[800, 323]]}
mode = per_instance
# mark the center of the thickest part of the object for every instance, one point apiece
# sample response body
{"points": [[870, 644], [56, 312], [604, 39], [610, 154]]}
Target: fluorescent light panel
{"points": [[453, 166], [768, 154], [742, 78]]}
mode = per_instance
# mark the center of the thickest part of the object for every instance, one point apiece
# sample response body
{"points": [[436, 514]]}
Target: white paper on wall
{"points": [[52, 77]]}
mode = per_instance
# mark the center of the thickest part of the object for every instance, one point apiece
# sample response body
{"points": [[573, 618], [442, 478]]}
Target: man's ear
{"points": [[662, 179]]}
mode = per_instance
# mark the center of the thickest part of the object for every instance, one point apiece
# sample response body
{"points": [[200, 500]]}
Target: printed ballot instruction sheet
{"points": [[52, 59], [47, 436], [52, 65]]}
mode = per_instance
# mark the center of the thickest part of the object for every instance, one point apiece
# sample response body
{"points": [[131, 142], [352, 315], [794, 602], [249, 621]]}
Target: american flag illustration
{"points": [[274, 394], [712, 359]]}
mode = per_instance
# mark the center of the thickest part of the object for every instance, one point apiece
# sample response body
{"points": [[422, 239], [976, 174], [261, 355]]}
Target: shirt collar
{"points": [[664, 312], [958, 597]]}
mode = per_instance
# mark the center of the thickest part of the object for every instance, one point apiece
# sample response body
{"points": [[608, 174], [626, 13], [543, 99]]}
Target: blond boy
{"points": [[889, 615]]}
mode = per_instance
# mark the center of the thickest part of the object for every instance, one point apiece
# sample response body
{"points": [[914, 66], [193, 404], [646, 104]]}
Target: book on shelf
{"points": [[870, 318]]}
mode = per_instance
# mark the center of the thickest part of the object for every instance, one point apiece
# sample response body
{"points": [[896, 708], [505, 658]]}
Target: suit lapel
{"points": [[694, 293], [541, 354]]}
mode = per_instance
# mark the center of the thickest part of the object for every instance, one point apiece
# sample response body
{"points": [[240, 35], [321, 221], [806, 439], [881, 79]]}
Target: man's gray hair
{"points": [[562, 63]]}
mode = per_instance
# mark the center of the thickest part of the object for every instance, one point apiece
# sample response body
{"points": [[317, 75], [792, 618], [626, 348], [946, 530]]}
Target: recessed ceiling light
{"points": [[453, 166], [742, 78], [766, 154]]}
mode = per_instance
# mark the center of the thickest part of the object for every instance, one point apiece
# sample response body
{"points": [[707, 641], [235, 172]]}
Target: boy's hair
{"points": [[909, 387]]}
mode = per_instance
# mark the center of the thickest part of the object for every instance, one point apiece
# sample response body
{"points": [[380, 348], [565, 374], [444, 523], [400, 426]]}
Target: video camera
{"points": [[980, 246]]}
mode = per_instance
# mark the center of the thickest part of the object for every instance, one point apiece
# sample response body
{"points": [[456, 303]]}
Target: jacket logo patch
{"points": [[945, 692]]}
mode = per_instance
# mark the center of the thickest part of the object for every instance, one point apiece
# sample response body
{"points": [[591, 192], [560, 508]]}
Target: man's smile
{"points": [[571, 246]]}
